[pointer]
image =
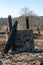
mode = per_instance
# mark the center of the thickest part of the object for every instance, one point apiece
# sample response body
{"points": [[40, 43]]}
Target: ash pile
{"points": [[24, 40]]}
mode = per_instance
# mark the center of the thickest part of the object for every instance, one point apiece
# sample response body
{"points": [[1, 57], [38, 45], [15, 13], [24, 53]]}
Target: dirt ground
{"points": [[24, 58]]}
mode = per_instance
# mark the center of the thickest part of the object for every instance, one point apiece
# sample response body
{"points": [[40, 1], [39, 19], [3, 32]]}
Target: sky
{"points": [[14, 7]]}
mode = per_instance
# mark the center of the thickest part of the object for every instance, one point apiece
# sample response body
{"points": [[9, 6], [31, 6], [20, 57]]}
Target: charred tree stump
{"points": [[11, 37], [27, 23], [10, 22]]}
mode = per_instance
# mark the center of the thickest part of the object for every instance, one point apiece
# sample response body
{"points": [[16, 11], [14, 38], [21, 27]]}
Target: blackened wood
{"points": [[27, 23], [38, 30], [10, 22], [11, 37]]}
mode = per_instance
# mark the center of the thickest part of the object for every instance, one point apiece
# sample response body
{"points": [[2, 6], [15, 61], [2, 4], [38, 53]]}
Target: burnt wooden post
{"points": [[11, 38], [27, 22], [10, 22], [38, 30]]}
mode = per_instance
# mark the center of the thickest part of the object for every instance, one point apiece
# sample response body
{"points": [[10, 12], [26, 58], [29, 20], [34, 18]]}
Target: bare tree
{"points": [[27, 12]]}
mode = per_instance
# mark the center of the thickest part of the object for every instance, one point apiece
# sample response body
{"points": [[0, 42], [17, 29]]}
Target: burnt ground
{"points": [[24, 58]]}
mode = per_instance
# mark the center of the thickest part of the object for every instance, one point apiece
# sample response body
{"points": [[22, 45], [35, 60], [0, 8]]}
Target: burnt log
{"points": [[11, 38]]}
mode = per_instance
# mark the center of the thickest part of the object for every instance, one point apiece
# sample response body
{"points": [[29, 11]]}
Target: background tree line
{"points": [[35, 21]]}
